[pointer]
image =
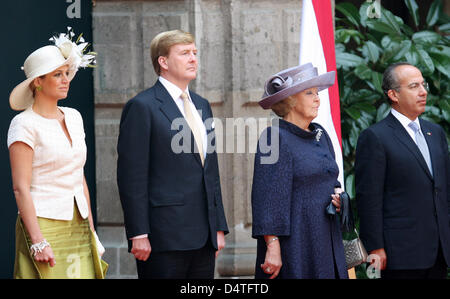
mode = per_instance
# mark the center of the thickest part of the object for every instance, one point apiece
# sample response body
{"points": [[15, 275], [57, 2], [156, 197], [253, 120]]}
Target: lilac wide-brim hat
{"points": [[292, 81]]}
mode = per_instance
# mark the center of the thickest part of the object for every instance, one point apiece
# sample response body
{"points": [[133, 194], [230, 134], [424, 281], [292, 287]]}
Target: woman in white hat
{"points": [[290, 196], [55, 235]]}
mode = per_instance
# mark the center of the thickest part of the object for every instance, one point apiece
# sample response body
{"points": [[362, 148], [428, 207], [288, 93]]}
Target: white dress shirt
{"points": [[175, 92], [405, 121], [57, 167]]}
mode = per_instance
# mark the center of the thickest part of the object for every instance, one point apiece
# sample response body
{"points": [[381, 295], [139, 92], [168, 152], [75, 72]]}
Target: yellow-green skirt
{"points": [[74, 248]]}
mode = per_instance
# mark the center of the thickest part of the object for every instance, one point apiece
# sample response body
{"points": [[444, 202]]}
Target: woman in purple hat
{"points": [[295, 236]]}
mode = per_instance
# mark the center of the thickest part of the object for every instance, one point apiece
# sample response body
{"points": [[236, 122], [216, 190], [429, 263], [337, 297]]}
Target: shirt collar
{"points": [[403, 119], [174, 91]]}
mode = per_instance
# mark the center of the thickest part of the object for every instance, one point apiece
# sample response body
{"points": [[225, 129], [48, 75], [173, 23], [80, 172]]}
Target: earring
{"points": [[38, 88]]}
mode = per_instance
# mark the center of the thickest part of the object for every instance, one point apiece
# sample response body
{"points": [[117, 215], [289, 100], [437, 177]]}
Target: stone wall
{"points": [[241, 43]]}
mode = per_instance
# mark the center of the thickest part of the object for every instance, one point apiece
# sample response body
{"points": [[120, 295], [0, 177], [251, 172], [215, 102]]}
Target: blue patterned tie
{"points": [[422, 144]]}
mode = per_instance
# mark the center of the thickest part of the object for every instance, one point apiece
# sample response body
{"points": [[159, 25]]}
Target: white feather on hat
{"points": [[47, 59]]}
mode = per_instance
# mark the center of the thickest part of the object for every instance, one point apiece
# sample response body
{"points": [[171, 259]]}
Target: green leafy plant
{"points": [[368, 40]]}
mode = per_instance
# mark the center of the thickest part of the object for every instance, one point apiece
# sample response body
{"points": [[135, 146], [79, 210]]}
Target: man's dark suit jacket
{"points": [[402, 207], [164, 194]]}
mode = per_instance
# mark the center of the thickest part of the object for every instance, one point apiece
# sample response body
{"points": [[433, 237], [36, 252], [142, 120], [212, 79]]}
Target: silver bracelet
{"points": [[271, 240], [39, 247]]}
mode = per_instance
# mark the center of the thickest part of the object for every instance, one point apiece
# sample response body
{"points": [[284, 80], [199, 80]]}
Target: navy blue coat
{"points": [[402, 207], [289, 200], [165, 194]]}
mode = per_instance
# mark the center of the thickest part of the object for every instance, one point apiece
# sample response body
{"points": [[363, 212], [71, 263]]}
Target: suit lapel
{"points": [[402, 135], [198, 106], [168, 106], [170, 109]]}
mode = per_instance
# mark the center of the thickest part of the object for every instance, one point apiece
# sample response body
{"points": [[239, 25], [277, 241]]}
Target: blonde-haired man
{"points": [[172, 203]]}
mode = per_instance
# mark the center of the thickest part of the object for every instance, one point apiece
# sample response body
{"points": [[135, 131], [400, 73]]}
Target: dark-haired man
{"points": [[402, 174]]}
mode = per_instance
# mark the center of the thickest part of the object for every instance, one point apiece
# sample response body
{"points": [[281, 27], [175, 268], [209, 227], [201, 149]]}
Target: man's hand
{"points": [[141, 248], [220, 242], [381, 253]]}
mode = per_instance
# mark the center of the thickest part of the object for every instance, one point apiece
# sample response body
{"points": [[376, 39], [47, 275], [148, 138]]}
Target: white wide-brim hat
{"points": [[41, 62], [292, 81]]}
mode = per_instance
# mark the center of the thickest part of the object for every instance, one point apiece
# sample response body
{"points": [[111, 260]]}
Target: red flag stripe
{"points": [[324, 17]]}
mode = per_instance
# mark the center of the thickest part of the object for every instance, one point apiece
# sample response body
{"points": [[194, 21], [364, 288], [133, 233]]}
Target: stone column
{"points": [[119, 76], [262, 38], [240, 44]]}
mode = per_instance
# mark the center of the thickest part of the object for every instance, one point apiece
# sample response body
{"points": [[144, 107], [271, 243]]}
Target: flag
{"points": [[317, 47]]}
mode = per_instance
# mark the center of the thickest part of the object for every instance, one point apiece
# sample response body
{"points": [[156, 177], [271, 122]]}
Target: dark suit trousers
{"points": [[188, 264], [438, 271]]}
